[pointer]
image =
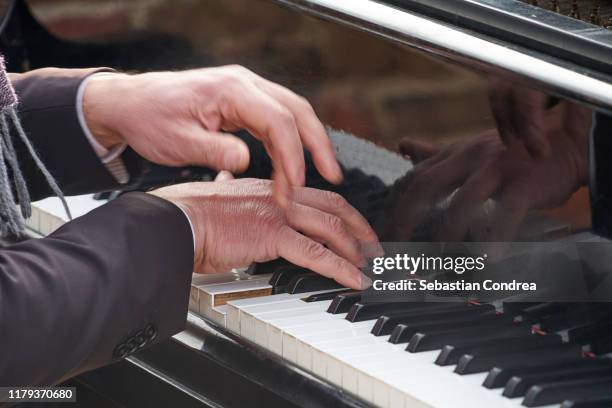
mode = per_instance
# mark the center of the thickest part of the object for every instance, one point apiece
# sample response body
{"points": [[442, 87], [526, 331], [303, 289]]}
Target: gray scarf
{"points": [[14, 197]]}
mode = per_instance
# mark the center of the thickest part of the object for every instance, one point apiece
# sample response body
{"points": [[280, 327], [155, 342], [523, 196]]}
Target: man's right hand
{"points": [[237, 222]]}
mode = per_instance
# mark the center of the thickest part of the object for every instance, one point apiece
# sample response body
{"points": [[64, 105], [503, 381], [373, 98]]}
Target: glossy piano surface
{"points": [[373, 85]]}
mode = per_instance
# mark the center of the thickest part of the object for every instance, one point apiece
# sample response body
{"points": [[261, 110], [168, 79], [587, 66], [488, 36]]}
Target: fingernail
{"points": [[364, 282], [373, 249], [236, 159], [338, 176]]}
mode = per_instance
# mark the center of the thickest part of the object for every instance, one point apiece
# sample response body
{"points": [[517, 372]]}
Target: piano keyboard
{"points": [[426, 354]]}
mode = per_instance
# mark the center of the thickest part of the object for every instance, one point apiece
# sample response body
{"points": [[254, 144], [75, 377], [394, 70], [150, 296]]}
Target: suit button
{"points": [[139, 339], [150, 331], [121, 351]]}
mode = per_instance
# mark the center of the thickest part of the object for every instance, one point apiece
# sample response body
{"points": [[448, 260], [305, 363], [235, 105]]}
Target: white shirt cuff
{"points": [[105, 155]]}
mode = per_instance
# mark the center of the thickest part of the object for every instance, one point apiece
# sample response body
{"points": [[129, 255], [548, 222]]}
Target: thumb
{"points": [[220, 151], [224, 175], [417, 150]]}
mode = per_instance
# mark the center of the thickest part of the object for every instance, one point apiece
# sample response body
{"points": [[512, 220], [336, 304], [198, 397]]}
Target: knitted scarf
{"points": [[15, 204]]}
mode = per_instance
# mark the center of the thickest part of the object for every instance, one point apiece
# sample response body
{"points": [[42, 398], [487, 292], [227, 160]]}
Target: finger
{"points": [[224, 175], [273, 124], [423, 190], [334, 203], [281, 190], [520, 116], [418, 150], [467, 203], [509, 213], [305, 252], [220, 151], [327, 229], [311, 130]]}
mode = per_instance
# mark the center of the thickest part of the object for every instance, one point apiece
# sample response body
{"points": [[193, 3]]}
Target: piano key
{"points": [[208, 291], [602, 345], [368, 311], [451, 354], [499, 376], [386, 323], [311, 282], [517, 386], [219, 294], [588, 403], [536, 313], [317, 297], [342, 303], [283, 275], [426, 337], [584, 333], [576, 317], [469, 364], [555, 393], [268, 267]]}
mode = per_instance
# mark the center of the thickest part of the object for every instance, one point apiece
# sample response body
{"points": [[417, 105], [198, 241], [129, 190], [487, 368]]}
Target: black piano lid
{"points": [[518, 23]]}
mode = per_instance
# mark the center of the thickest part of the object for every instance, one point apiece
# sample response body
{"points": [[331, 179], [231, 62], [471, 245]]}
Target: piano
{"points": [[278, 335]]}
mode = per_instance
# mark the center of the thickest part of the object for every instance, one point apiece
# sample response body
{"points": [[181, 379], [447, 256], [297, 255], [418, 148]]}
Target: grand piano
{"points": [[375, 71]]}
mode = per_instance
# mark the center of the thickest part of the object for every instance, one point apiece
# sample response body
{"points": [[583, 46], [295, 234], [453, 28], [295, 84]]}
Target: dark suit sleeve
{"points": [[47, 108], [97, 289]]}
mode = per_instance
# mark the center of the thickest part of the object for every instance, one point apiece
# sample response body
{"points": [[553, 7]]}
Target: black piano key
{"points": [[269, 267], [516, 308], [499, 376], [538, 312], [319, 297], [517, 386], [588, 403], [451, 353], [403, 332], [386, 323], [426, 340], [469, 364], [342, 303], [283, 275], [577, 316], [602, 345], [360, 312], [557, 392], [311, 282], [585, 333]]}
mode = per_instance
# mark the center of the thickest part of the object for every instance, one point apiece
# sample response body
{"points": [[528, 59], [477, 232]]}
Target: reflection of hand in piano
{"points": [[486, 188], [237, 222]]}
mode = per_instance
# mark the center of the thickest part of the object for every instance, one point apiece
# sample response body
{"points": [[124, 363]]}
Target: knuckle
{"points": [[335, 225], [314, 249], [305, 104], [336, 200], [285, 117]]}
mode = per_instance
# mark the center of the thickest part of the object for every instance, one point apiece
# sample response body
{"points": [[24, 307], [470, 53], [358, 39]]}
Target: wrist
{"points": [[100, 101], [192, 218]]}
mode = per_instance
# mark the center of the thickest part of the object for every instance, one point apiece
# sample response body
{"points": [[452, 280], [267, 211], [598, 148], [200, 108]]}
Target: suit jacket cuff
{"points": [[48, 113]]}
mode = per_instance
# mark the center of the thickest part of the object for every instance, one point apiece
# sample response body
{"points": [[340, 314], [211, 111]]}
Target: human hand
{"points": [[521, 115], [483, 170], [237, 222], [180, 118]]}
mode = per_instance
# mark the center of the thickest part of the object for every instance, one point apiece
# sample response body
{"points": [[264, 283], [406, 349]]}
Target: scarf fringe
{"points": [[14, 210]]}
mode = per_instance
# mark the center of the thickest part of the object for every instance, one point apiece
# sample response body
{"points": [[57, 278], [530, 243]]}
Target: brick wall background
{"points": [[356, 82]]}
